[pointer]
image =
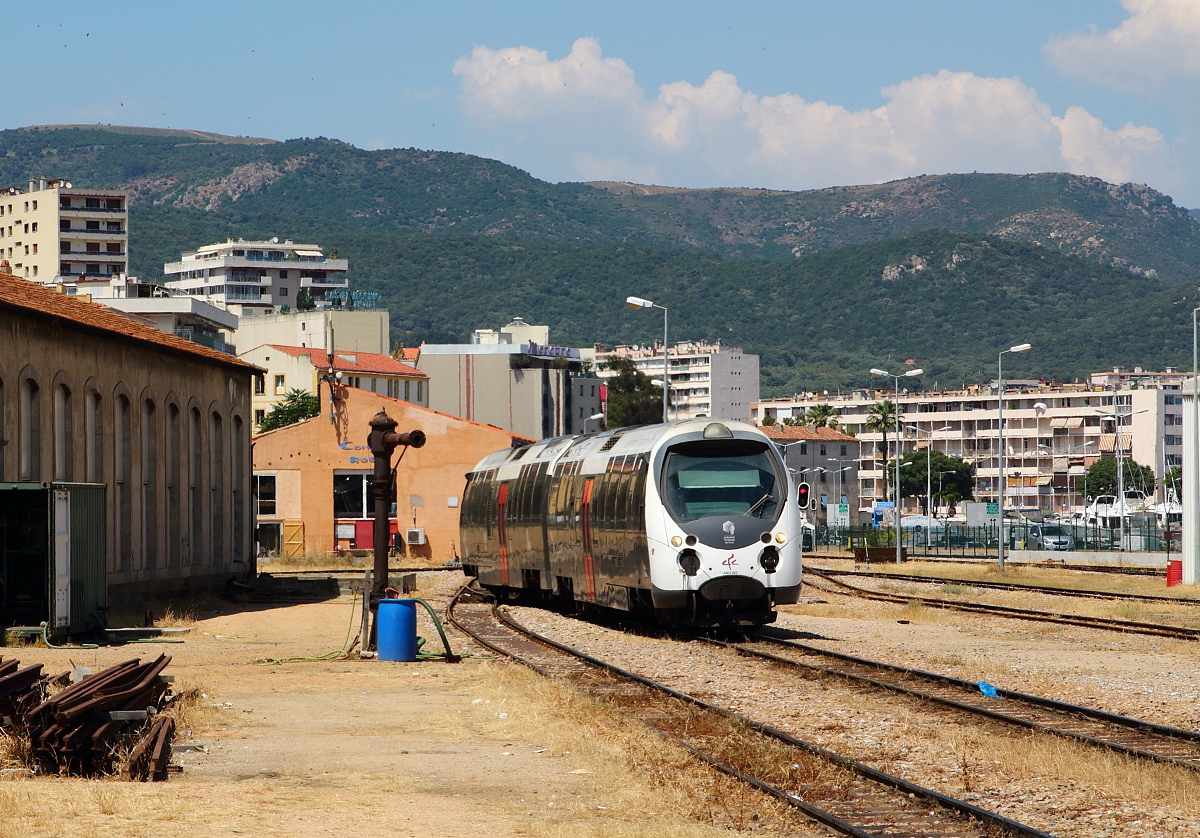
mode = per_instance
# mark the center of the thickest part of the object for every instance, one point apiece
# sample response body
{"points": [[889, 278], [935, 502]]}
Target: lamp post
{"points": [[594, 417], [896, 511], [839, 475], [1021, 347], [929, 473], [1039, 411], [638, 302]]}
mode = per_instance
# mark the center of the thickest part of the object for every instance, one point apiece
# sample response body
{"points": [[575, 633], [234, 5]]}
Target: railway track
{"points": [[1103, 623], [834, 790], [1007, 586], [1161, 743]]}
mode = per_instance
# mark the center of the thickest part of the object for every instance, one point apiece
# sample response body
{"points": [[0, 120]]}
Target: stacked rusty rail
{"points": [[87, 728]]}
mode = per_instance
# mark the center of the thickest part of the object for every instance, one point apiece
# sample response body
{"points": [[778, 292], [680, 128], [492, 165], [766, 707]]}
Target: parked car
{"points": [[1049, 537]]}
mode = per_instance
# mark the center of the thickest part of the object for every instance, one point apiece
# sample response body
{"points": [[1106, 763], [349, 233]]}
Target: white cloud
{"points": [[1133, 152], [520, 82], [585, 115], [1158, 41]]}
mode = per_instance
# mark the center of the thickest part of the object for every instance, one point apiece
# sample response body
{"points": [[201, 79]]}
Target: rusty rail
{"points": [[85, 728]]}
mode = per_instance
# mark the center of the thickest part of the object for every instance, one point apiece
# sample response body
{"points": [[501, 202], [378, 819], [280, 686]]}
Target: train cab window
{"points": [[738, 477]]}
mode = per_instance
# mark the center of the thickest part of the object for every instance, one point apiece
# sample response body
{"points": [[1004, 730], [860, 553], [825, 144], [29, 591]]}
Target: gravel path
{"points": [[1057, 786]]}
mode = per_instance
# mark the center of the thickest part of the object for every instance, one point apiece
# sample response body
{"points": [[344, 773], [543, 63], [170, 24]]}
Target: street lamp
{"points": [[929, 473], [1020, 347], [638, 302], [896, 511], [594, 417], [1039, 410], [839, 475]]}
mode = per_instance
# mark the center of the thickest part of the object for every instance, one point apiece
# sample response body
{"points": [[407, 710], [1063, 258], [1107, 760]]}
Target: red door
{"points": [[364, 535], [585, 516], [501, 533]]}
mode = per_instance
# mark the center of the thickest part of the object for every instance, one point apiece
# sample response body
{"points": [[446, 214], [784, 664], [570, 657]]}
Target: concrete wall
{"points": [[353, 331], [536, 401]]}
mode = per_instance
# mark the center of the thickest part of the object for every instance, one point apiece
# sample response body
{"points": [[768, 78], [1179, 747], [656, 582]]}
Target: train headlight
{"points": [[691, 541], [769, 558], [780, 538], [689, 562], [676, 541]]}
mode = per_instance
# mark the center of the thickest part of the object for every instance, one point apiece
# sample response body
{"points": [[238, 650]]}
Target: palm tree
{"points": [[821, 416], [882, 417]]}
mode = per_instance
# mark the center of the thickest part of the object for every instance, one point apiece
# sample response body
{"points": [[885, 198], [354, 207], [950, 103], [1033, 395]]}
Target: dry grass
{"points": [[1050, 760], [677, 795], [980, 758], [87, 809]]}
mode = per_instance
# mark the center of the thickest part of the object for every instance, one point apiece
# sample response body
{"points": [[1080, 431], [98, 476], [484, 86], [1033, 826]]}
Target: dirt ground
{"points": [[317, 747]]}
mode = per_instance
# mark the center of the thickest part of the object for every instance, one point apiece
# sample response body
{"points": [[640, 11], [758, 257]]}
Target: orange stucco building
{"points": [[312, 479]]}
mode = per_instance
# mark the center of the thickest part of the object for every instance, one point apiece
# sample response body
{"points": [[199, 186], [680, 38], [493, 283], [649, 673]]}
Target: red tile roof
{"points": [[39, 301], [359, 363], [796, 433]]}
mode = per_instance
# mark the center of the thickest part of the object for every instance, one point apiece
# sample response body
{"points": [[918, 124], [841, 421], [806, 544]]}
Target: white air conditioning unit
{"points": [[414, 536]]}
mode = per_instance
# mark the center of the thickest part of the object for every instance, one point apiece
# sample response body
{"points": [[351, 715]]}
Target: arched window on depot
{"points": [[64, 435], [29, 431], [93, 438], [149, 487]]}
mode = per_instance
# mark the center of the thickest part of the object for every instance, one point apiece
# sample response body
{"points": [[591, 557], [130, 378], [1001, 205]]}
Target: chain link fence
{"points": [[958, 540]]}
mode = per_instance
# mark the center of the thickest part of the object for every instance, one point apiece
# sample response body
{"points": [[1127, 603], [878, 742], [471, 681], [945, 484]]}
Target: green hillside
{"points": [[823, 284], [949, 301]]}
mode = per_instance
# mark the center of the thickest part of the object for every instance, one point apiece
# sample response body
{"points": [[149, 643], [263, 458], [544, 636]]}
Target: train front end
{"points": [[722, 525]]}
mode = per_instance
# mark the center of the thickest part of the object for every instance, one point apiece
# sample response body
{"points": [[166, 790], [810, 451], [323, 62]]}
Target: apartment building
{"points": [[355, 329], [53, 233], [706, 379], [253, 278], [514, 379], [1052, 433], [827, 460]]}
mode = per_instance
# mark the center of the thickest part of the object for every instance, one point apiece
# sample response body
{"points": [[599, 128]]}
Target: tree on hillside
{"points": [[1101, 478], [296, 406], [632, 399], [950, 479]]}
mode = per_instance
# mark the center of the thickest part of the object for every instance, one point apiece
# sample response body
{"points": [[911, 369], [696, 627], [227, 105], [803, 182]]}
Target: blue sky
{"points": [[787, 95]]}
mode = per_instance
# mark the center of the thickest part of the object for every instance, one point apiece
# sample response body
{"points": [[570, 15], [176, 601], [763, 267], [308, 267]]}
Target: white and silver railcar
{"points": [[694, 521]]}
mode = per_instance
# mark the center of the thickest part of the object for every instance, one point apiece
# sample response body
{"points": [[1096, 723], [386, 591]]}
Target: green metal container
{"points": [[53, 562]]}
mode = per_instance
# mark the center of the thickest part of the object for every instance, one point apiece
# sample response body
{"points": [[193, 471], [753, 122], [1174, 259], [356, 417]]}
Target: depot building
{"points": [[312, 480]]}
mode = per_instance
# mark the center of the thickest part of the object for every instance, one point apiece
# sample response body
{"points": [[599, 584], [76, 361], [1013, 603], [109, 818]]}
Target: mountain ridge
{"points": [[823, 284]]}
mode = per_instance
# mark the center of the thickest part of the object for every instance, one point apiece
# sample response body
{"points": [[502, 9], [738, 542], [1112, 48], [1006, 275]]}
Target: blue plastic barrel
{"points": [[396, 630]]}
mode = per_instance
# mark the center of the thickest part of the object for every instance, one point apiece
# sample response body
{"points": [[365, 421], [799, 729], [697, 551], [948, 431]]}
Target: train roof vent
{"points": [[610, 442], [519, 453]]}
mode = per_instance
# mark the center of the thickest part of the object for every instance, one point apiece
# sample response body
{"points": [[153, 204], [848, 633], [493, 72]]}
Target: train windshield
{"points": [[738, 477]]}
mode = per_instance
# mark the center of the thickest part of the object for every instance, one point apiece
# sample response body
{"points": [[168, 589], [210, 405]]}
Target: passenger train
{"points": [[693, 522]]}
